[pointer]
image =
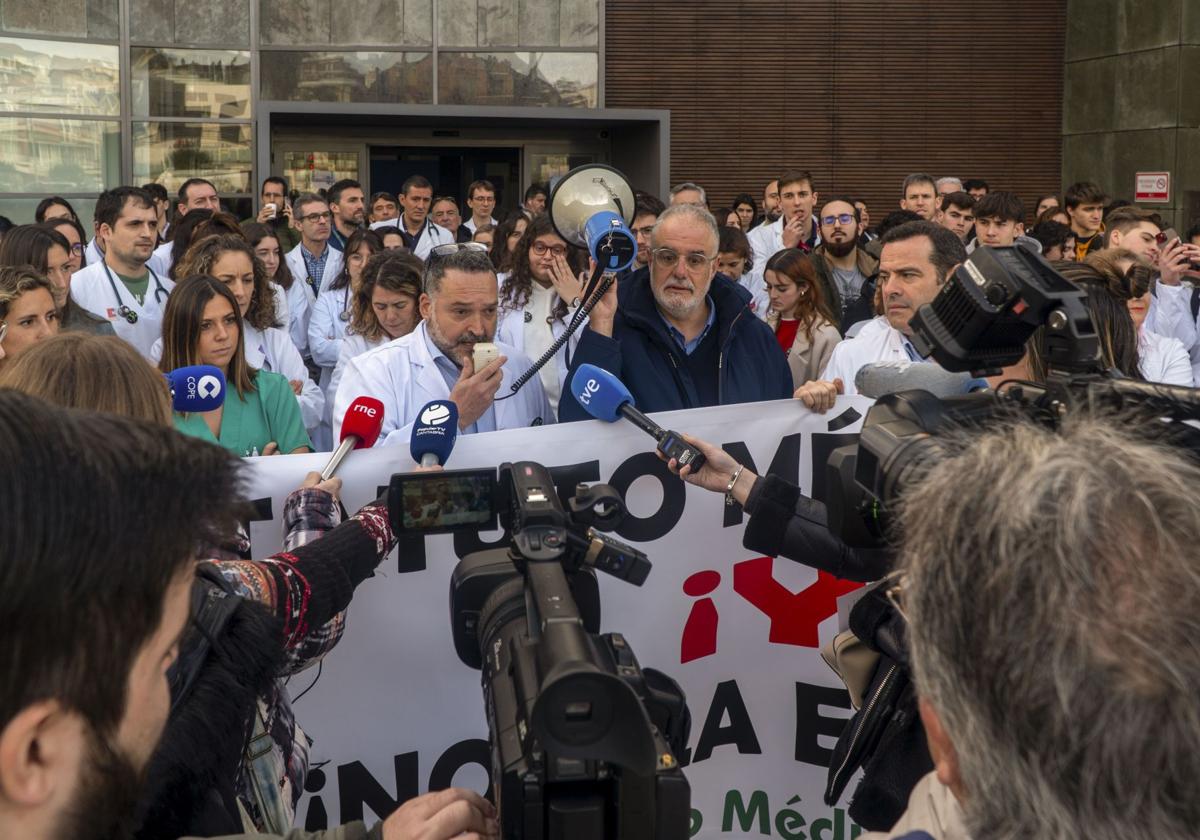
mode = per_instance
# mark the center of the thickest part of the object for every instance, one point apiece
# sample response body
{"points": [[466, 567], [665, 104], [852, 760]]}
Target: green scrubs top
{"points": [[251, 421]]}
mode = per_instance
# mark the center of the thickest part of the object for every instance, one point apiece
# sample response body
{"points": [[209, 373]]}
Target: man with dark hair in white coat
{"points": [[434, 361]]}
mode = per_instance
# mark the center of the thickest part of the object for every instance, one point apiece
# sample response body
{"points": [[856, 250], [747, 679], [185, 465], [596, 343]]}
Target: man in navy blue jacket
{"points": [[682, 336]]}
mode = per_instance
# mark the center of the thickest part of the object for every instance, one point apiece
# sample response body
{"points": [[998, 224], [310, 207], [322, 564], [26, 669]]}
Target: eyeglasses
{"points": [[77, 249], [440, 252], [843, 218], [668, 258], [541, 248], [317, 217]]}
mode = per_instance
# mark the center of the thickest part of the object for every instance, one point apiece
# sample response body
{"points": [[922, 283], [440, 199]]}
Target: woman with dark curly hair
{"points": [[538, 300]]}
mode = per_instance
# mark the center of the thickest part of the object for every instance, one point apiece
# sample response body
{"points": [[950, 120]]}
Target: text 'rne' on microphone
{"points": [[360, 430], [434, 433], [606, 398]]}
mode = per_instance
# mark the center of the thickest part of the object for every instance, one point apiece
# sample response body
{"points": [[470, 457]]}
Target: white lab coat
{"points": [[1170, 315], [510, 329], [91, 290], [351, 347], [433, 235], [300, 298], [92, 253], [403, 376], [1163, 359], [161, 260], [470, 225], [877, 341], [326, 330], [765, 241]]}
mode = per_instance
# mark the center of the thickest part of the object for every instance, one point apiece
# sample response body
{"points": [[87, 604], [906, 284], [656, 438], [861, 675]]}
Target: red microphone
{"points": [[360, 430]]}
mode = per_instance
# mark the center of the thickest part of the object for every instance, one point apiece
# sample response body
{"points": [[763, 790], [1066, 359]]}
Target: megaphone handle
{"points": [[590, 300]]}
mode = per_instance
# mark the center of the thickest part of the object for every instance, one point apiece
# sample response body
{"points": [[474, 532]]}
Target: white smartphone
{"points": [[483, 354]]}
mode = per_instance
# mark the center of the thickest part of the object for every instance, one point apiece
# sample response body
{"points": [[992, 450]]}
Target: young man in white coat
{"points": [[434, 362], [419, 232], [121, 288], [915, 260], [796, 227], [314, 264]]}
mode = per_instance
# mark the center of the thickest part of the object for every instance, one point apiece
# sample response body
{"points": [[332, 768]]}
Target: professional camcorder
{"points": [[584, 741], [981, 321]]}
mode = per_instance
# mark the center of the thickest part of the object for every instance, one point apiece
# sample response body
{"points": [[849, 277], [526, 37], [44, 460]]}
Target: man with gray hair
{"points": [[689, 193], [1052, 595], [946, 185], [434, 361], [684, 336]]}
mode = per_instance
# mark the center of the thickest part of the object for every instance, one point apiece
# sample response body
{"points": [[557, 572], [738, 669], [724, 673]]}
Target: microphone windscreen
{"points": [[435, 431], [600, 393], [196, 388], [879, 378], [364, 419]]}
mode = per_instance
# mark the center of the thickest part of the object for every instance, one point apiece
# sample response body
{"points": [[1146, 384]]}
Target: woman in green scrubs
{"points": [[202, 325]]}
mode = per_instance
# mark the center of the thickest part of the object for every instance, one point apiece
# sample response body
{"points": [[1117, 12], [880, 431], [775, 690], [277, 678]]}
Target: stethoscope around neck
{"points": [[124, 311]]}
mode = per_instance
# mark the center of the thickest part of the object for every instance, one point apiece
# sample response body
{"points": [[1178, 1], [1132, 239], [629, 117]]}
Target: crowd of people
{"points": [[323, 298]]}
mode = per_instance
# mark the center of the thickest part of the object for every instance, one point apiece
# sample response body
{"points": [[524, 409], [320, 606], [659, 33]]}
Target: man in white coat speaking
{"points": [[916, 259], [434, 362]]}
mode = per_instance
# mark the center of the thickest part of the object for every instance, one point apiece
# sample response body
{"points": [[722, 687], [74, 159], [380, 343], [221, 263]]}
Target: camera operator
{"points": [[1053, 627], [287, 612]]}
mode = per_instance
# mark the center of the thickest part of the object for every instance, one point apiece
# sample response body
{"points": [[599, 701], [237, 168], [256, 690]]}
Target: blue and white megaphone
{"points": [[592, 207]]}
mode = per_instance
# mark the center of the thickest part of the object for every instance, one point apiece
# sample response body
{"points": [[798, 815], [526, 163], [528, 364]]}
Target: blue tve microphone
{"points": [[434, 433], [606, 398], [196, 388]]}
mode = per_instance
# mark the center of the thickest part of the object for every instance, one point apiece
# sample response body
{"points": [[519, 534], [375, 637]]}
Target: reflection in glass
{"points": [[564, 80], [20, 210], [170, 153], [58, 156], [51, 76], [348, 77], [313, 171], [190, 83], [547, 167]]}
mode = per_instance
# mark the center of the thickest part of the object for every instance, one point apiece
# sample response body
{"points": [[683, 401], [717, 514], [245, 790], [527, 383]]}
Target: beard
{"points": [[677, 306], [840, 249], [106, 796], [458, 350]]}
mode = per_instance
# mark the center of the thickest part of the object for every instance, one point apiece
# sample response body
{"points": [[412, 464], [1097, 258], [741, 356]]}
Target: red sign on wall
{"points": [[1152, 186]]}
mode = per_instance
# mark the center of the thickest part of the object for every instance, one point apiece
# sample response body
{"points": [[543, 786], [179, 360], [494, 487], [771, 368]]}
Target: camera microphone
{"points": [[879, 378], [606, 398], [196, 388], [434, 433], [360, 430]]}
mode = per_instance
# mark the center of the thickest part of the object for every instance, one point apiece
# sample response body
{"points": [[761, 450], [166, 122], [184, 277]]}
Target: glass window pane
{"points": [[224, 23], [347, 77], [78, 18], [313, 171], [52, 76], [170, 153], [554, 79], [190, 83], [53, 156], [396, 24], [20, 210]]}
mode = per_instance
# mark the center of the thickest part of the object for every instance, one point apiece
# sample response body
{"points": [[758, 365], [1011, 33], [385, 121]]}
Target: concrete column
{"points": [[1131, 98]]}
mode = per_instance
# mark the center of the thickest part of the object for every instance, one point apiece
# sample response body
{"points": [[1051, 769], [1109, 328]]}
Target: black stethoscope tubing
{"points": [[124, 311]]}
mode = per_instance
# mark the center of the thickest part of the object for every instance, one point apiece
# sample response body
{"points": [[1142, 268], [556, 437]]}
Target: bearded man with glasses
{"points": [[686, 337], [846, 271]]}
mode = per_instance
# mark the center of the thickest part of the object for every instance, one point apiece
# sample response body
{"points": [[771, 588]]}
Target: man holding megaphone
{"points": [[686, 338]]}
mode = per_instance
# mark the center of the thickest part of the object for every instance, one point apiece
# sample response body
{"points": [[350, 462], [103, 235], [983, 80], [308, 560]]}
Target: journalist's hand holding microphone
{"points": [[717, 472]]}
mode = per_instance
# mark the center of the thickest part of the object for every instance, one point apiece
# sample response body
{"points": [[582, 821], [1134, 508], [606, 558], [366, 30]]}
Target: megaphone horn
{"points": [[592, 207]]}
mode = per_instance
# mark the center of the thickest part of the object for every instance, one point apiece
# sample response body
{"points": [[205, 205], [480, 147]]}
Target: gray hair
{"points": [[305, 199], [467, 260], [949, 179], [1053, 596], [691, 212], [690, 185]]}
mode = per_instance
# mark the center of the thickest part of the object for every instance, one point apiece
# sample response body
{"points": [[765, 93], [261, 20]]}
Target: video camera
{"points": [[584, 741], [981, 321]]}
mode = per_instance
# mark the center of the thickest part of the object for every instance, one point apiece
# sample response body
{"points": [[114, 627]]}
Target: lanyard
{"points": [[124, 311]]}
